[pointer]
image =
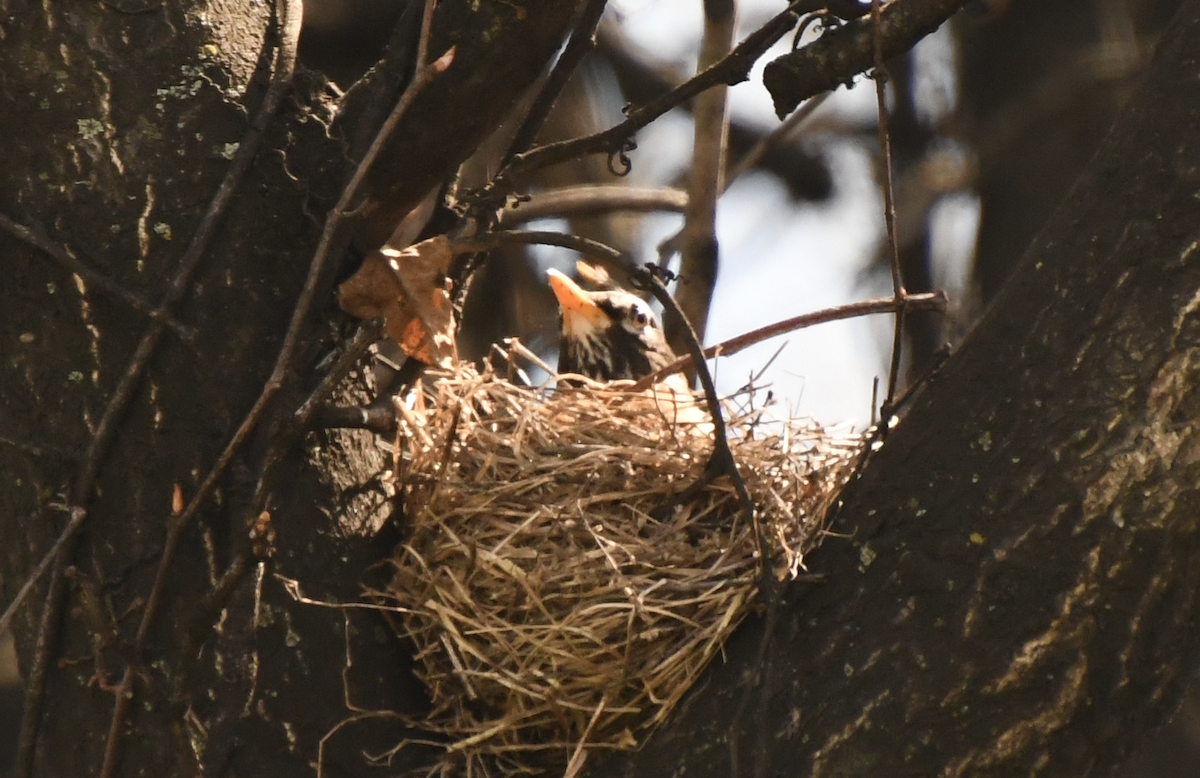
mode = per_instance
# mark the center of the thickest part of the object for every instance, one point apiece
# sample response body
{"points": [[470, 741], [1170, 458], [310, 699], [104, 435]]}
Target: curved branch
{"points": [[926, 301], [592, 200], [491, 240]]}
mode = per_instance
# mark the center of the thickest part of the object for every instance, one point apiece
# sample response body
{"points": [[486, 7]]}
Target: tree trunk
{"points": [[120, 120], [1019, 593], [1041, 84]]}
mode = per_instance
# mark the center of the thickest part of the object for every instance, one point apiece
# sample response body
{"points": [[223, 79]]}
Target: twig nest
{"points": [[558, 598]]}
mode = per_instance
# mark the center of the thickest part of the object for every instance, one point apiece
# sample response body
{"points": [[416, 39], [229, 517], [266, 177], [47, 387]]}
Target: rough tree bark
{"points": [[1041, 85], [119, 122], [1020, 593]]}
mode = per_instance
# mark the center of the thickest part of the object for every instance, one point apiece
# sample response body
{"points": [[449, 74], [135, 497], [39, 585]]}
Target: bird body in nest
{"points": [[607, 335], [611, 335]]}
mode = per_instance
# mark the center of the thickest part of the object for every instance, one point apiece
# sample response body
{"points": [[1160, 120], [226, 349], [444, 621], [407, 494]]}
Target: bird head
{"points": [[607, 335]]}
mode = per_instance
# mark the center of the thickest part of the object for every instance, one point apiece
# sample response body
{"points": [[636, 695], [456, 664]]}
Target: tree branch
{"points": [[93, 278], [582, 41], [843, 52], [592, 200], [889, 215], [733, 69], [698, 247], [932, 301]]}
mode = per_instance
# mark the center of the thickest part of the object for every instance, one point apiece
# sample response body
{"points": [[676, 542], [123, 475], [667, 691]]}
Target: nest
{"points": [[558, 599]]}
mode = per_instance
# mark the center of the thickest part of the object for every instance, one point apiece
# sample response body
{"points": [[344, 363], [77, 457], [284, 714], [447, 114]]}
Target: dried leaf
{"points": [[408, 288]]}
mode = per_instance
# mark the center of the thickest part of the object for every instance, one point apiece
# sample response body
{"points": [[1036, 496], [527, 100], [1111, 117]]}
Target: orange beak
{"points": [[579, 312]]}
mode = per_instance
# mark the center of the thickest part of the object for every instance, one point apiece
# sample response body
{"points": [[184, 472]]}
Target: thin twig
{"points": [[927, 301], [721, 462], [422, 64], [643, 78], [112, 745], [35, 681], [93, 278], [592, 200], [492, 240], [733, 69], [77, 516], [201, 621], [368, 333], [114, 410], [365, 716], [775, 137], [39, 450], [889, 213], [582, 41], [935, 365], [699, 251]]}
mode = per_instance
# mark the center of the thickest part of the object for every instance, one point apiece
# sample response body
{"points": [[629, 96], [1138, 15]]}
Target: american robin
{"points": [[612, 334], [607, 335]]}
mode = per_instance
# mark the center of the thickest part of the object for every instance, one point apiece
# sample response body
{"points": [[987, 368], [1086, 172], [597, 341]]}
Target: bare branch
{"points": [[698, 262], [731, 70], [841, 53], [582, 41], [889, 216], [721, 462], [77, 516], [93, 278], [775, 137], [932, 301], [591, 200], [491, 240], [38, 450]]}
